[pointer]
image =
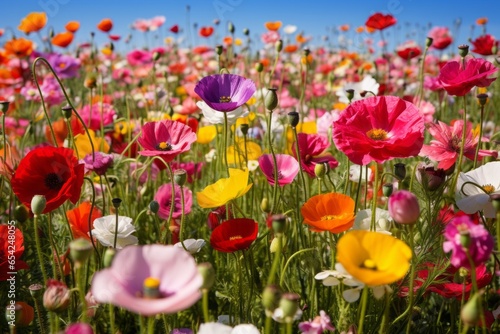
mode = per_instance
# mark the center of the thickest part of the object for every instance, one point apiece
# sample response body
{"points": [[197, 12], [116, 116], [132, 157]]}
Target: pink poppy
{"points": [[459, 81], [445, 147], [441, 37], [164, 198], [166, 139], [97, 114], [379, 129], [312, 151], [288, 168], [139, 57], [133, 271]]}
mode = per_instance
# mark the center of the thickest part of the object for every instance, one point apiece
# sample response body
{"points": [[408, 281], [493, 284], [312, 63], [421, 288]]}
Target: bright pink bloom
{"points": [[166, 139], [480, 242], [404, 207], [93, 117], [164, 197], [318, 325], [459, 81], [379, 129], [312, 151], [484, 45], [288, 168], [441, 37], [156, 22], [445, 147], [123, 283], [270, 37], [139, 57]]}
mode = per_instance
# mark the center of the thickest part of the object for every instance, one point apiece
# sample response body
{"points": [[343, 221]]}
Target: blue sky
{"points": [[315, 18]]}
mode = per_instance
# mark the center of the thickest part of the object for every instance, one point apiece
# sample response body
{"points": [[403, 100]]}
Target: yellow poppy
{"points": [[236, 153], [224, 190], [373, 258], [33, 22], [206, 134], [83, 144]]}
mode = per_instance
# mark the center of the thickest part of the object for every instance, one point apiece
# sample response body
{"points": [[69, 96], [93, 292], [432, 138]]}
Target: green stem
{"points": [[225, 143], [206, 314], [290, 259], [182, 217], [478, 147], [374, 200], [39, 251], [364, 302], [81, 292], [111, 312], [302, 175], [412, 275], [458, 166], [277, 256]]}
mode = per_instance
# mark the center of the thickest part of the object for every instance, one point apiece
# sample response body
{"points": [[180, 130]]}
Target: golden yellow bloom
{"points": [[224, 190], [373, 258], [83, 144], [236, 154], [33, 22], [206, 134]]}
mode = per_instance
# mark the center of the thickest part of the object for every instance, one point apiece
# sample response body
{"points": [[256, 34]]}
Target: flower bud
{"points": [[246, 32], [80, 250], [321, 169], [349, 94], [428, 42], [154, 206], [482, 99], [21, 213], [400, 170], [264, 205], [463, 50], [429, 177], [293, 118], [465, 239], [259, 67], [271, 99], [271, 297], [79, 328], [387, 189], [244, 129], [219, 49], [90, 81], [36, 290], [56, 297], [230, 27], [495, 201], [67, 111], [180, 177], [274, 247], [289, 304], [404, 207], [278, 45], [109, 255], [207, 271], [38, 203], [279, 223], [470, 311], [156, 56]]}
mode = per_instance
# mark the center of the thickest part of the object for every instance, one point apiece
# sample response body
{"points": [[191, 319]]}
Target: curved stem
{"points": [[481, 116], [290, 259]]}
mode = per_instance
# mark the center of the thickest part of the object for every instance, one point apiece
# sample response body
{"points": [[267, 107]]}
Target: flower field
{"points": [[242, 186]]}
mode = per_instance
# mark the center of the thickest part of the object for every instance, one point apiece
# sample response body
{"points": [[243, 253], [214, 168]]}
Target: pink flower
{"points": [[166, 139], [164, 198], [99, 162], [441, 37], [463, 235], [459, 81], [404, 207], [139, 57], [445, 147], [97, 114], [270, 37], [312, 151], [288, 168], [379, 129], [136, 269], [156, 22], [320, 324], [79, 328]]}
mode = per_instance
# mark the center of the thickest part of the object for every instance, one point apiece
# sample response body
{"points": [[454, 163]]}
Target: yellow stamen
{"points": [[164, 146], [369, 264], [152, 283], [329, 217], [488, 188], [236, 237], [377, 134], [62, 65]]}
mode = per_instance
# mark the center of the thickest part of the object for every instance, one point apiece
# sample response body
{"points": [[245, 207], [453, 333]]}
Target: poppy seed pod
{"points": [[4, 106], [219, 49], [67, 111], [80, 250], [293, 118], [400, 170], [279, 46], [428, 42], [21, 213], [180, 177], [36, 290], [404, 207], [117, 202], [482, 99], [463, 50], [349, 94], [271, 99]]}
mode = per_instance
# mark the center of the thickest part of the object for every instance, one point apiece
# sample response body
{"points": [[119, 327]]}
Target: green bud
{"points": [[293, 118], [230, 27], [264, 205], [80, 250], [465, 240], [271, 99], [246, 32], [21, 213], [180, 177], [259, 67], [154, 206], [428, 42], [470, 312], [463, 50], [38, 203], [400, 170], [279, 223], [67, 111], [321, 169], [275, 246], [289, 304], [387, 189], [109, 255], [271, 297], [219, 49], [156, 56], [207, 271], [279, 45]]}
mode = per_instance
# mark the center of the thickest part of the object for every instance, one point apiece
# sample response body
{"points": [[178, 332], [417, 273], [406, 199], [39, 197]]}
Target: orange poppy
{"points": [[72, 26], [63, 39], [105, 25], [265, 62], [344, 27], [228, 40], [333, 212], [19, 47], [301, 39], [79, 219], [482, 21], [33, 22], [307, 59], [291, 48], [370, 29], [273, 26], [360, 29], [206, 31]]}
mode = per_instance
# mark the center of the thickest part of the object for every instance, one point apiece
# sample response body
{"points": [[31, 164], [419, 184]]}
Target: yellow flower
{"points": [[206, 134], [224, 190], [373, 258], [236, 154], [83, 144]]}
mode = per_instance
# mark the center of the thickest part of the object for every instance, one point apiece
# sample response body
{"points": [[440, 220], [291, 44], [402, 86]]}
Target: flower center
{"points": [[53, 181], [280, 175], [488, 188], [150, 288], [235, 237], [377, 134], [224, 99], [62, 65], [455, 143], [329, 217], [163, 146], [369, 264]]}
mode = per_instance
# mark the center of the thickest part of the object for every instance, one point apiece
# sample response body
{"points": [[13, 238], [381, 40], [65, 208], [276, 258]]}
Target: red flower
{"points": [[53, 172], [174, 28], [458, 81], [484, 44], [448, 288], [79, 219], [379, 21], [409, 50], [11, 249], [234, 235], [206, 31]]}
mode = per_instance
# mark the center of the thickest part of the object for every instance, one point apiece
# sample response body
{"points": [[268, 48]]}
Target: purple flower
{"points": [[164, 197], [149, 280], [79, 328], [318, 325], [288, 168], [64, 65], [225, 92], [99, 164], [462, 234], [404, 207]]}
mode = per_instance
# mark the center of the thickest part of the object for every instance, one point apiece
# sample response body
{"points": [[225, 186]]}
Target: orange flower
{"points": [[370, 29], [360, 29], [300, 39], [482, 21], [228, 40], [33, 22], [20, 47], [291, 48], [273, 26], [344, 27], [72, 26], [333, 212], [105, 25], [265, 62], [63, 39], [79, 219]]}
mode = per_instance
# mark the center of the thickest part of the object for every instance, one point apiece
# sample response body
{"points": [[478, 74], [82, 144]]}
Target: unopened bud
{"points": [[428, 42], [271, 99], [38, 203], [180, 177], [154, 206], [109, 255], [279, 223], [246, 32], [57, 296], [387, 189], [156, 56], [264, 205], [21, 213], [289, 304], [230, 27], [278, 46], [80, 250], [470, 313], [259, 67], [207, 271], [67, 111], [271, 297], [321, 169]]}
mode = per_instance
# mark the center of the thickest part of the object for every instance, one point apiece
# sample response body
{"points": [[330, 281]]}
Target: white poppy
{"points": [[383, 221], [289, 29], [217, 117], [368, 84], [193, 246], [105, 229]]}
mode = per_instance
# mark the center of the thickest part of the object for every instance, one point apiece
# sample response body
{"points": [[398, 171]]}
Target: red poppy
{"points": [[217, 216], [10, 238], [409, 50], [234, 235], [79, 219], [379, 21], [114, 38], [484, 45], [53, 172], [174, 28], [201, 49], [206, 31]]}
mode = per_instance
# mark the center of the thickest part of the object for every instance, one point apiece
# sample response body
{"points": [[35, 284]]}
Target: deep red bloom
{"points": [[459, 81], [312, 151], [379, 129], [380, 21], [234, 235], [53, 172], [409, 50], [448, 288], [206, 31], [11, 244], [174, 28], [484, 44]]}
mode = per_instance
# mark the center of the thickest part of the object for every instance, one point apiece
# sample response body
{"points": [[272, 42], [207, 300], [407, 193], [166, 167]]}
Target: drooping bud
{"points": [[271, 99]]}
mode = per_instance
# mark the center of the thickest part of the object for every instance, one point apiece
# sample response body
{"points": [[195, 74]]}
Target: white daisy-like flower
{"points": [[217, 117], [105, 228], [368, 84], [383, 221], [475, 188]]}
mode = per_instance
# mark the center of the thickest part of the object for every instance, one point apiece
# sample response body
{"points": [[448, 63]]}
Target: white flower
{"points": [[474, 189], [217, 328], [211, 155], [217, 117], [289, 29], [368, 84], [193, 246], [383, 221], [104, 231], [279, 317], [252, 165], [355, 170]]}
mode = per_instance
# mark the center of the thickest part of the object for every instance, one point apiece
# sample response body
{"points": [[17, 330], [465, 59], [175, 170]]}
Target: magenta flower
{"points": [[379, 129], [139, 57], [99, 163], [225, 92], [288, 168], [462, 234], [404, 207], [164, 197], [79, 328], [318, 325], [149, 280], [459, 81], [98, 114], [312, 151], [445, 147], [166, 139]]}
